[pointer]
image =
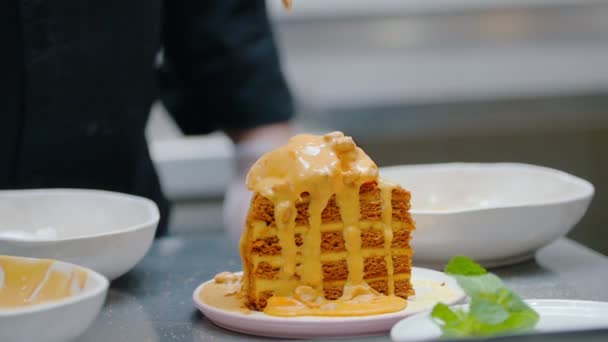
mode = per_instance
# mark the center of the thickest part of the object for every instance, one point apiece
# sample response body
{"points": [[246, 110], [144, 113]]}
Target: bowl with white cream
{"points": [[46, 300], [496, 213], [105, 231]]}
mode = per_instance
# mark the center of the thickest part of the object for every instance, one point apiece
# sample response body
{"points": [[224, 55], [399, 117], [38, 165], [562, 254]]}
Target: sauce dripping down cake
{"points": [[325, 236]]}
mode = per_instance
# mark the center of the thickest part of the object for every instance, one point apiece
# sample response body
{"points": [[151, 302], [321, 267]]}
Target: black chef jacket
{"points": [[77, 79]]}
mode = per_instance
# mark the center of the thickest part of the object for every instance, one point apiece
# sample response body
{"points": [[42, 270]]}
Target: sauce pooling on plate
{"points": [[25, 282], [223, 293], [319, 167]]}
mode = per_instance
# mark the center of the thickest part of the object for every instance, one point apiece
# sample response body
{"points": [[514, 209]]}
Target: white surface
{"points": [[496, 214], [258, 323], [56, 321], [555, 316], [108, 232]]}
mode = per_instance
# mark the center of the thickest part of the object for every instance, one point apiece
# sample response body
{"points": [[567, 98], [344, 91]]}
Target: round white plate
{"points": [[258, 323], [555, 316]]}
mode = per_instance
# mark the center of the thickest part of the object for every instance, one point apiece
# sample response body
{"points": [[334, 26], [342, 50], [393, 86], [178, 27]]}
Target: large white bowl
{"points": [[497, 214], [56, 321], [105, 231]]}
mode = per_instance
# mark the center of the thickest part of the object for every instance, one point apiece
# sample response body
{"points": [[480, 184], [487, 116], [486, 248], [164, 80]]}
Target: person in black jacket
{"points": [[78, 78]]}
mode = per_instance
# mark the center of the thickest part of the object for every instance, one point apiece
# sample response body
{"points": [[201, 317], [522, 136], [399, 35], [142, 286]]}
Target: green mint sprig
{"points": [[494, 309]]}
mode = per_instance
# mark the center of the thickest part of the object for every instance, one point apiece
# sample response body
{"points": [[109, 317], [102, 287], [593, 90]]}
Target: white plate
{"points": [[258, 323], [555, 316], [497, 214], [105, 231], [56, 321]]}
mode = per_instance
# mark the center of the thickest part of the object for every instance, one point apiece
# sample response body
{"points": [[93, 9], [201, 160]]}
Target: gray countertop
{"points": [[153, 301]]}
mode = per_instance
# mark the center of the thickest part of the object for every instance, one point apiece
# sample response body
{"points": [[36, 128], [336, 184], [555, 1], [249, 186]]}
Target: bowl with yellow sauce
{"points": [[45, 300], [105, 231], [495, 213]]}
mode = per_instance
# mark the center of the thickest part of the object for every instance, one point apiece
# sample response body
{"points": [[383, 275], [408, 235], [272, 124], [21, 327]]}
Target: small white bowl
{"points": [[497, 214], [105, 231], [56, 321]]}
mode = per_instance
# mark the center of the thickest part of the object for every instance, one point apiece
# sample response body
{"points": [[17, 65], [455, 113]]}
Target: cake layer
{"points": [[373, 266], [260, 229], [333, 241], [370, 203], [277, 260]]}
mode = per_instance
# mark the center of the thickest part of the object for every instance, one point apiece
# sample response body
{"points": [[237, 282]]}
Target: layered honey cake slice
{"points": [[325, 235]]}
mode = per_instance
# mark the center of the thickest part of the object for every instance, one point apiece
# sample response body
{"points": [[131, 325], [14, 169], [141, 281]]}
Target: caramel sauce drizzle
{"points": [[319, 167]]}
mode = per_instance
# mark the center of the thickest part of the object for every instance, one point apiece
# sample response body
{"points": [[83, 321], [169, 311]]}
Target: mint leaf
{"points": [[453, 323], [522, 318], [494, 309], [475, 285], [513, 300], [521, 322], [462, 265], [444, 313], [488, 311]]}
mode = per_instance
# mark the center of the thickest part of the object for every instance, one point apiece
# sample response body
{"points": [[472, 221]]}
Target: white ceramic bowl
{"points": [[56, 321], [497, 214], [105, 231]]}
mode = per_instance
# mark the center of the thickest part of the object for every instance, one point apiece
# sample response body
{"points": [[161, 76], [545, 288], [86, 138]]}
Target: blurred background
{"points": [[426, 81]]}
